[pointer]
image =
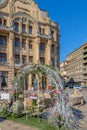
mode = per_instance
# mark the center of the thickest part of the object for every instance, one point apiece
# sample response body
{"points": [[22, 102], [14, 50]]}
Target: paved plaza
{"points": [[82, 112], [10, 125]]}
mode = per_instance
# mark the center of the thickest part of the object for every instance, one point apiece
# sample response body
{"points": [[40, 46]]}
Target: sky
{"points": [[71, 16]]}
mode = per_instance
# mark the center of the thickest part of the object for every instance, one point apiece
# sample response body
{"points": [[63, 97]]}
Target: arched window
{"points": [[16, 24]]}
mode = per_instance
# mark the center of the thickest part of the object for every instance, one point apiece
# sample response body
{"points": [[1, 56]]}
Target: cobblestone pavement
{"points": [[10, 125], [82, 112]]}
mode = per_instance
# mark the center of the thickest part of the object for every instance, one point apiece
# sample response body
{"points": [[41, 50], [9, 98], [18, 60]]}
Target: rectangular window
{"points": [[53, 62], [23, 43], [30, 29], [3, 40], [16, 27], [17, 59], [30, 46], [4, 79], [24, 59], [42, 60], [17, 42], [52, 48], [4, 22], [30, 59], [52, 34], [3, 57], [40, 30], [0, 22], [42, 47], [43, 31], [23, 28]]}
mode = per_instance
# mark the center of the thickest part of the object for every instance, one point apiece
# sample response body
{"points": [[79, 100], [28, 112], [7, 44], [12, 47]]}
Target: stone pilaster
{"points": [[36, 50], [27, 51], [48, 52], [20, 25], [27, 26], [11, 59], [30, 82], [20, 49]]}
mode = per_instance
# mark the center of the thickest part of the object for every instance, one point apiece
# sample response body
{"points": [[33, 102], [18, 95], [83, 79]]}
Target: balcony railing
{"points": [[18, 64], [85, 61], [84, 55], [17, 50], [44, 35], [3, 27], [42, 53], [85, 50], [30, 52], [3, 48], [3, 63]]}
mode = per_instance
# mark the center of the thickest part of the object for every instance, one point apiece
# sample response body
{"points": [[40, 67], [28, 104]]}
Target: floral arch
{"points": [[61, 112]]}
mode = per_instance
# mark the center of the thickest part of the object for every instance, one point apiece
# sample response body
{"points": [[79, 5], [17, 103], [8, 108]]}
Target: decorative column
{"points": [[55, 55], [20, 25], [48, 58], [48, 52], [27, 51], [20, 49], [30, 82], [27, 26], [36, 50], [11, 59]]}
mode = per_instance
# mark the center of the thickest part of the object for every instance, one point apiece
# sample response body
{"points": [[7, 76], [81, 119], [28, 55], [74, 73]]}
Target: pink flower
{"points": [[59, 91], [57, 114]]}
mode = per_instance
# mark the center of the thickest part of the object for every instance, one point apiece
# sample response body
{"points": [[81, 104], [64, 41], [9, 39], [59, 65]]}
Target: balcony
{"points": [[85, 50], [84, 55], [18, 65], [44, 36], [42, 53], [30, 52], [17, 50], [24, 52], [5, 28], [3, 48], [85, 61], [4, 63]]}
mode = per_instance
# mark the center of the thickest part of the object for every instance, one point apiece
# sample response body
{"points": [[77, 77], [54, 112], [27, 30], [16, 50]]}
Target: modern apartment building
{"points": [[27, 35], [77, 65]]}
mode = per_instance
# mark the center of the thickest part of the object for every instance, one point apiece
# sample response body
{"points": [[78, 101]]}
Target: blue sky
{"points": [[71, 16]]}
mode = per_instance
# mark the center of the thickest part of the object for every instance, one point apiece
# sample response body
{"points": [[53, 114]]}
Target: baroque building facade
{"points": [[77, 65], [27, 35]]}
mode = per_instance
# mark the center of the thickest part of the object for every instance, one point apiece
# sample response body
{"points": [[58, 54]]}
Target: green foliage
{"points": [[33, 121], [18, 109], [4, 111]]}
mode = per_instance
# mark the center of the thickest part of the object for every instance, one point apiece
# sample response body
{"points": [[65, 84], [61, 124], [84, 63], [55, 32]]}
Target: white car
{"points": [[77, 87]]}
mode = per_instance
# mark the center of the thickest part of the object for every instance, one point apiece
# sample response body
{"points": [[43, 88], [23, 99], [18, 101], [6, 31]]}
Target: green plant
{"points": [[18, 109]]}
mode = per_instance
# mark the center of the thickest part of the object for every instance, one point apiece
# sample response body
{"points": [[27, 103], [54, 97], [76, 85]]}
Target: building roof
{"points": [[77, 49]]}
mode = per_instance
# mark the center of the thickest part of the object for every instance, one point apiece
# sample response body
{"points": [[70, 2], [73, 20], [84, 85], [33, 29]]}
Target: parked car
{"points": [[83, 87], [71, 85], [76, 86]]}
